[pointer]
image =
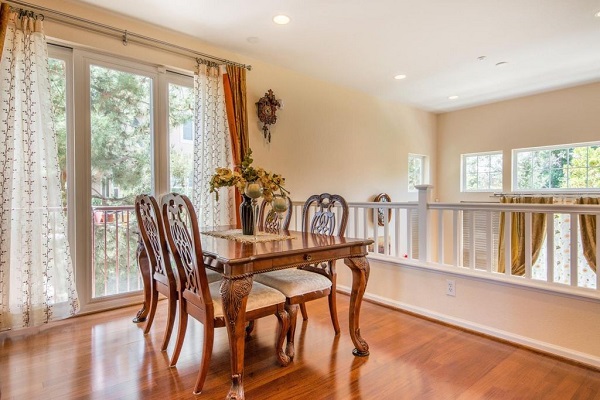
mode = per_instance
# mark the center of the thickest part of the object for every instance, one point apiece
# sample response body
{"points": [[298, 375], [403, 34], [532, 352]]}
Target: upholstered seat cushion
{"points": [[260, 296], [293, 282], [213, 276]]}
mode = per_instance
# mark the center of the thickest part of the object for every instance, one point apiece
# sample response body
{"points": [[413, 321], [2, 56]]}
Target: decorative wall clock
{"points": [[267, 106]]}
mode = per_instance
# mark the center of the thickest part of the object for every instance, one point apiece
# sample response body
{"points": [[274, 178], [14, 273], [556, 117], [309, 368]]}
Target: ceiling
{"points": [[361, 44]]}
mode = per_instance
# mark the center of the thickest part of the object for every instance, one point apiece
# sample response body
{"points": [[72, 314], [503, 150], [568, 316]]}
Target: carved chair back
{"points": [[178, 212], [324, 222], [150, 224], [269, 220], [324, 219]]}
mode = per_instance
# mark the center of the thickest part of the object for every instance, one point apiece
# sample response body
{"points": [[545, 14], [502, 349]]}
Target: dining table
{"points": [[239, 258]]}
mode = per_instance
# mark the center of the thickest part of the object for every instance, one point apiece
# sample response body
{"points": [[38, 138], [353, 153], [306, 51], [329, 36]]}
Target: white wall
{"points": [[334, 139]]}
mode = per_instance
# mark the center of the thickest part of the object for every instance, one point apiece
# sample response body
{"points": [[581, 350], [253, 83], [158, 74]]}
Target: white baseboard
{"points": [[544, 347]]}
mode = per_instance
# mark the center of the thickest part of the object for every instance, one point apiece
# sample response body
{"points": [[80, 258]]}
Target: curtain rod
{"points": [[125, 35]]}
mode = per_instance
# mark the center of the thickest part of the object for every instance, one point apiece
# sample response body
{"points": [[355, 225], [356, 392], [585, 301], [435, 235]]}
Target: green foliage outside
{"points": [[563, 168]]}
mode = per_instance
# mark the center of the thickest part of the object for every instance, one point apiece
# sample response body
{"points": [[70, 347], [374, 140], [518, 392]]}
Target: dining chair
{"points": [[162, 278], [201, 299], [313, 281], [269, 221]]}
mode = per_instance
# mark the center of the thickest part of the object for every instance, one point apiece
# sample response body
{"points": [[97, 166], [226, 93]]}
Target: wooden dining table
{"points": [[238, 261]]}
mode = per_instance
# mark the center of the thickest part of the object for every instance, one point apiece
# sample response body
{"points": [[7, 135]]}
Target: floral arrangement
{"points": [[245, 174]]}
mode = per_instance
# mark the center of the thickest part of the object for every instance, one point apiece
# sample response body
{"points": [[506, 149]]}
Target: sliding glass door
{"points": [[124, 128], [121, 129]]}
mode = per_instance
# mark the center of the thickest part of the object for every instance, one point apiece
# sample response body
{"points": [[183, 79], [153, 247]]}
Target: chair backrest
{"points": [[186, 248], [268, 219], [150, 224], [324, 219]]}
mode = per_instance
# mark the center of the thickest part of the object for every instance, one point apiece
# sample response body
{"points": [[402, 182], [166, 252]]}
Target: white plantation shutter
{"points": [[477, 239]]}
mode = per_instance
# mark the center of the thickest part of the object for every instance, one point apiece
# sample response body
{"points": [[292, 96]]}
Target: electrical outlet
{"points": [[450, 288]]}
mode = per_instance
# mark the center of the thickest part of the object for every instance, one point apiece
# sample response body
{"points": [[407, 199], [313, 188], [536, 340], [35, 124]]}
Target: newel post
{"points": [[423, 210]]}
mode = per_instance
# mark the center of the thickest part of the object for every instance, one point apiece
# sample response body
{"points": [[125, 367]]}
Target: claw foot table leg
{"points": [[360, 275], [234, 292]]}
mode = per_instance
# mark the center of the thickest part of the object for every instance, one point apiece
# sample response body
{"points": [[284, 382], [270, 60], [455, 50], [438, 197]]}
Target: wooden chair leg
{"points": [[333, 312], [183, 319], [153, 304], [284, 325], [172, 301], [209, 337], [292, 310], [303, 310]]}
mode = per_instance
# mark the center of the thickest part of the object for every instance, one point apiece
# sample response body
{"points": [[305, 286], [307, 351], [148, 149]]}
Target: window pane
{"points": [[121, 168], [496, 163], [594, 178], [181, 138], [496, 181], [483, 163], [482, 172], [58, 94], [471, 182], [483, 181]]}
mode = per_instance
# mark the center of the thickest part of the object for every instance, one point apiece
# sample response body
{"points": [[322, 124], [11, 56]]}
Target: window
{"points": [[557, 167], [416, 171], [181, 136], [482, 172], [122, 113]]}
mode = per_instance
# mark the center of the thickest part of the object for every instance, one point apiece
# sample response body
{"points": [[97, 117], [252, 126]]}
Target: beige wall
{"points": [[327, 138], [334, 139], [553, 118]]}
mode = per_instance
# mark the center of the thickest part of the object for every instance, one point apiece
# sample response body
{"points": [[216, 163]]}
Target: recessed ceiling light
{"points": [[481, 58], [401, 76], [452, 97], [597, 15], [501, 64], [281, 19]]}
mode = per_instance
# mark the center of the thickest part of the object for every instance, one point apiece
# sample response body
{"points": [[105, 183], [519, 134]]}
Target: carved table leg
{"points": [[234, 292], [144, 266], [360, 275]]}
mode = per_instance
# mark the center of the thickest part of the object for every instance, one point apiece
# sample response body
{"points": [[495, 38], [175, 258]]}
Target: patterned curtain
{"points": [[36, 273], [517, 236], [212, 147], [587, 228]]}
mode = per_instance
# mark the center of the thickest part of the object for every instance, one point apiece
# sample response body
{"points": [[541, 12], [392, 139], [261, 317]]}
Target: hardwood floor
{"points": [[106, 356]]}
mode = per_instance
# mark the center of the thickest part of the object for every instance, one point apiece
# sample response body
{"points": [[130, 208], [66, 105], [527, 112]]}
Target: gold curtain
{"points": [[237, 117], [237, 83], [4, 11], [587, 227], [517, 236]]}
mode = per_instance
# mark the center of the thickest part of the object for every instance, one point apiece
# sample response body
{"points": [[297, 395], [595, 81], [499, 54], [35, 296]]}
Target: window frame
{"points": [[424, 170], [515, 175], [78, 62], [463, 173]]}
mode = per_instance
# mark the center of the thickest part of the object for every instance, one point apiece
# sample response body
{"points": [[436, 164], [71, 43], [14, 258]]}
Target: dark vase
{"points": [[247, 215]]}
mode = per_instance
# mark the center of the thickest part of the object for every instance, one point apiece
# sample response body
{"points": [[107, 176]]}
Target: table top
{"points": [[233, 258]]}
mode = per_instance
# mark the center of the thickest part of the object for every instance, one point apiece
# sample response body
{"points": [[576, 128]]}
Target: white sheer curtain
{"points": [[37, 283], [212, 147]]}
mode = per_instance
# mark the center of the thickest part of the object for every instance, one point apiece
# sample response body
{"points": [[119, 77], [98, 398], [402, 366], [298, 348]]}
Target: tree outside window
{"points": [[482, 172], [416, 171], [564, 167]]}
